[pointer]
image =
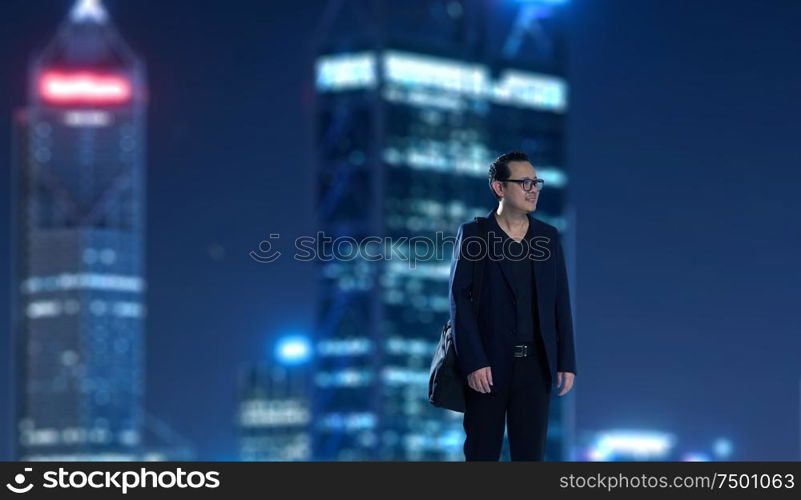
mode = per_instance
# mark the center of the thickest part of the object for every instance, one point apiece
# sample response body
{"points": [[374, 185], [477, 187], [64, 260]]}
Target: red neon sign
{"points": [[84, 88]]}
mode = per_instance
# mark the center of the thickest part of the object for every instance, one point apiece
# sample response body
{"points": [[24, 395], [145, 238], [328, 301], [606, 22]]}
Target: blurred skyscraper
{"points": [[79, 305], [414, 100]]}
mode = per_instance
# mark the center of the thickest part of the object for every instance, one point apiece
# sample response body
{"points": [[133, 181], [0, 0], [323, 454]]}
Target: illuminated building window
{"points": [[108, 256], [128, 309], [83, 281], [346, 71], [531, 90], [69, 358], [628, 444], [348, 421], [273, 413], [43, 308], [468, 159], [87, 119], [343, 378], [429, 81], [439, 271], [399, 345], [423, 70], [42, 437], [344, 347], [129, 437], [404, 376]]}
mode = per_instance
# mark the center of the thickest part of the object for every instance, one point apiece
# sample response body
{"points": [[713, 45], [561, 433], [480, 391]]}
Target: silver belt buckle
{"points": [[521, 351]]}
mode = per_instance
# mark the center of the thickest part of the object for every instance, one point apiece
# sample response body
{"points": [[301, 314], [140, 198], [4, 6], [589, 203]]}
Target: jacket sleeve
{"points": [[566, 355], [464, 324]]}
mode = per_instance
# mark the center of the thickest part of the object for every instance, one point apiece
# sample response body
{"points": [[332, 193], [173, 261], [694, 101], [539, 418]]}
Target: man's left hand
{"points": [[565, 381]]}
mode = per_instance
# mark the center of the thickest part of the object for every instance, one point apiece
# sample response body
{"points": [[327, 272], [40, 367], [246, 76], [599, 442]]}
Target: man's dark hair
{"points": [[499, 169]]}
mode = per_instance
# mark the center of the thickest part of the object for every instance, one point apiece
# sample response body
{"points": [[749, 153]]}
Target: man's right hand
{"points": [[480, 380]]}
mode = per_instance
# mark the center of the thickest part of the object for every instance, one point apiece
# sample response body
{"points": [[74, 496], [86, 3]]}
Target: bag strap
{"points": [[478, 265]]}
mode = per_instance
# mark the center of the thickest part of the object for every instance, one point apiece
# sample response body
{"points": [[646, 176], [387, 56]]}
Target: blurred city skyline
{"points": [[680, 157]]}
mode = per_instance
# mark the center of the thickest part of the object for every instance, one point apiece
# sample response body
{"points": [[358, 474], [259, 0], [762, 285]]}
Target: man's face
{"points": [[513, 193]]}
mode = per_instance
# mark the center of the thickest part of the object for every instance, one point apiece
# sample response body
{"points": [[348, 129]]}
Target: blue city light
{"points": [[292, 350], [722, 447]]}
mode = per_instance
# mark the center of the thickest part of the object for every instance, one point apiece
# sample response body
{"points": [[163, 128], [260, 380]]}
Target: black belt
{"points": [[524, 350]]}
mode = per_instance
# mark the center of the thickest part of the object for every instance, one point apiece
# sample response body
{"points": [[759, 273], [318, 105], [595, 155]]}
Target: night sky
{"points": [[684, 159]]}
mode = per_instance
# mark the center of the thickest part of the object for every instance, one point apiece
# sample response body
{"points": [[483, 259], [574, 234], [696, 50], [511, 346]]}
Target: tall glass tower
{"points": [[414, 101], [79, 305]]}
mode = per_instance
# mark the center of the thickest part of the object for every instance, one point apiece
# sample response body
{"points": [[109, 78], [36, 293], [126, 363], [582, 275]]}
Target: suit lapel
{"points": [[507, 275], [505, 266], [537, 264]]}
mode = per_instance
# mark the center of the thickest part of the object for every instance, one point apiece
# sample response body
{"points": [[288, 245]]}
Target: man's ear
{"points": [[497, 187]]}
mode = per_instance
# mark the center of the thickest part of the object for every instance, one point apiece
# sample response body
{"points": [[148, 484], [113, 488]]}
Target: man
{"points": [[520, 340]]}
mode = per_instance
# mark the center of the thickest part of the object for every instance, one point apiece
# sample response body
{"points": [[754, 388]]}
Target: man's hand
{"points": [[480, 380], [565, 381]]}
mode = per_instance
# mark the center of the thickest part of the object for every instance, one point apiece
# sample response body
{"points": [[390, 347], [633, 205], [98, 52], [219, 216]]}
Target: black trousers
{"points": [[523, 406]]}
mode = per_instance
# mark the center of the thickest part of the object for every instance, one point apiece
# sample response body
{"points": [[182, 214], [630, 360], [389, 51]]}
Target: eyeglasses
{"points": [[528, 184]]}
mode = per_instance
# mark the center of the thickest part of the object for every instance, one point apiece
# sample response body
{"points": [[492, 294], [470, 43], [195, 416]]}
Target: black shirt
{"points": [[521, 279]]}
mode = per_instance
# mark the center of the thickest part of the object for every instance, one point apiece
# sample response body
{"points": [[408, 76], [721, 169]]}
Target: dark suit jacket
{"points": [[486, 337]]}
